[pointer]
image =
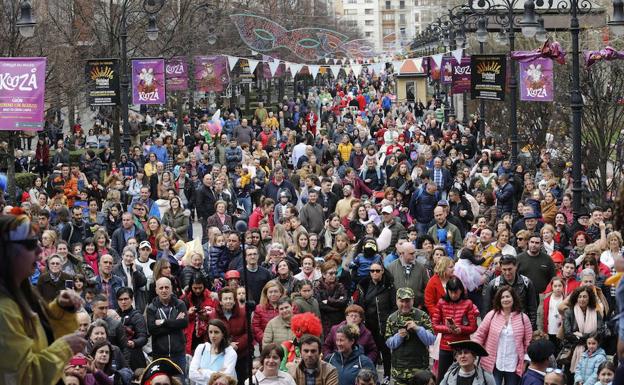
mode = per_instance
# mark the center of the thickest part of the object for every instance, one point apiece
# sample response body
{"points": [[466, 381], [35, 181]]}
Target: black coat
{"points": [[134, 325], [378, 302], [168, 338]]}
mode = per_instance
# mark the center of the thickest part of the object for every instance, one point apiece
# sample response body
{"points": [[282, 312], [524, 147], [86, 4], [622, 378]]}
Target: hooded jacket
{"points": [[348, 367], [366, 342]]}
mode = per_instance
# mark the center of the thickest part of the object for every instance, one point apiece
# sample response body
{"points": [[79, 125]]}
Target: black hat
{"points": [[540, 350], [160, 366], [474, 347]]}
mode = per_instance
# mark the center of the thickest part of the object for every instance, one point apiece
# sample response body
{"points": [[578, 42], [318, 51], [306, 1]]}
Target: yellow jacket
{"points": [[31, 361], [345, 151]]}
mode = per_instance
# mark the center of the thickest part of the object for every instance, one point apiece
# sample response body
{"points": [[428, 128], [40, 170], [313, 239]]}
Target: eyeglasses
{"points": [[521, 239], [376, 270], [331, 272]]}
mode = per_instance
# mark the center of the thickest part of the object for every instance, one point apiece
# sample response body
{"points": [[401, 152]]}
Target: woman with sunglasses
{"points": [[376, 294], [35, 340]]}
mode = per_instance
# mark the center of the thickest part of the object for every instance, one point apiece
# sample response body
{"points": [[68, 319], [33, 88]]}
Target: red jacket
{"points": [[433, 292], [237, 326], [547, 311], [197, 324], [464, 313], [262, 315], [257, 216]]}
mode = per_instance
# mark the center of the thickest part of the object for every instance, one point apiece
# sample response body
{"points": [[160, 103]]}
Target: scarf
{"points": [[587, 323]]}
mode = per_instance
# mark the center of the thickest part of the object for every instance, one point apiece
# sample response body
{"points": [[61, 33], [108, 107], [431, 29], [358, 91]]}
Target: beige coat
{"points": [[277, 331]]}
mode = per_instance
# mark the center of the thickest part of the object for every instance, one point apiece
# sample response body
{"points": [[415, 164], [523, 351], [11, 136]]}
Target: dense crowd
{"points": [[367, 232]]}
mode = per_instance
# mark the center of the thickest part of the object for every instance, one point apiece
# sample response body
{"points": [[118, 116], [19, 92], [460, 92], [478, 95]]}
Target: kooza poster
{"points": [[461, 77], [488, 77], [22, 93], [446, 72], [176, 71], [211, 73], [536, 80], [148, 81]]}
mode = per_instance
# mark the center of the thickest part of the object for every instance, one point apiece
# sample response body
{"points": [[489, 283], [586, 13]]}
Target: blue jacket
{"points": [[587, 367], [531, 377], [421, 205], [115, 283], [504, 199], [160, 152], [348, 368]]}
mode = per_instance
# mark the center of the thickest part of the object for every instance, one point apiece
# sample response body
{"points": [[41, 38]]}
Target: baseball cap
{"points": [[405, 293], [443, 202], [370, 244], [557, 257], [145, 244], [387, 210]]}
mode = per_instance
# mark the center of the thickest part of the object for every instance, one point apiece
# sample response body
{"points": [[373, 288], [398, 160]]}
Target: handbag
{"points": [[564, 357], [434, 350]]}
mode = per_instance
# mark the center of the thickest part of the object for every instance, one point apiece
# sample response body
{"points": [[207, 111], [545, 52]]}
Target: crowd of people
{"points": [[365, 235]]}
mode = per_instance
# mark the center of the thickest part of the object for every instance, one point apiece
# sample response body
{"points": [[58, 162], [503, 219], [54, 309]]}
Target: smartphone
{"points": [[450, 321], [69, 284]]}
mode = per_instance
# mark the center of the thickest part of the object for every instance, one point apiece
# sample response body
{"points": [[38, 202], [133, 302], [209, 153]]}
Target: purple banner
{"points": [[536, 80], [446, 72], [22, 93], [211, 73], [434, 70], [148, 81], [461, 76], [176, 72]]}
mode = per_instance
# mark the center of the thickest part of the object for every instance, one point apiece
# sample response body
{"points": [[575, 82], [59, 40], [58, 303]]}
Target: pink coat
{"points": [[488, 335]]}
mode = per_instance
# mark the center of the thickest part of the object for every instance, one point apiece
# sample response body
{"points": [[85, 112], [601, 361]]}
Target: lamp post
{"points": [[504, 14], [574, 8], [25, 24]]}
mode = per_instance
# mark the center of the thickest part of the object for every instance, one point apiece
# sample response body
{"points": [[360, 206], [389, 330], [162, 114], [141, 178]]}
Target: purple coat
{"points": [[366, 341]]}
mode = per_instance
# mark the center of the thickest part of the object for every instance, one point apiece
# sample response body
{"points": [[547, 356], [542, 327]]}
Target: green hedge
{"points": [[25, 180]]}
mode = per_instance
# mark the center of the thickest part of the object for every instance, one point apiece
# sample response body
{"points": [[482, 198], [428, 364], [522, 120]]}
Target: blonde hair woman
{"points": [[267, 310]]}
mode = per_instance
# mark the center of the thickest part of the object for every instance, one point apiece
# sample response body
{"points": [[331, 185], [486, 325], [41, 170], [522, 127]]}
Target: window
{"points": [[369, 23], [351, 23], [368, 11], [388, 6], [352, 2], [388, 17], [368, 34], [348, 12], [402, 4], [388, 31], [402, 18], [369, 1]]}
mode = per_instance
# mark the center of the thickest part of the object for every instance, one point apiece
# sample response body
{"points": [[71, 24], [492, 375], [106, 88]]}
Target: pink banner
{"points": [[211, 73], [461, 76], [536, 80], [22, 93], [148, 81]]}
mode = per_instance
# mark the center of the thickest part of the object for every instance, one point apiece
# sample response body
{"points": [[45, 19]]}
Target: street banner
{"points": [[536, 80], [176, 71], [102, 82], [446, 72], [488, 77], [22, 93], [211, 73], [148, 81], [461, 76], [434, 69]]}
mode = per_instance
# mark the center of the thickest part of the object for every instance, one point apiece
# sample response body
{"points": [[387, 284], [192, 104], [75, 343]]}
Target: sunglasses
{"points": [[376, 270], [29, 244], [554, 370]]}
